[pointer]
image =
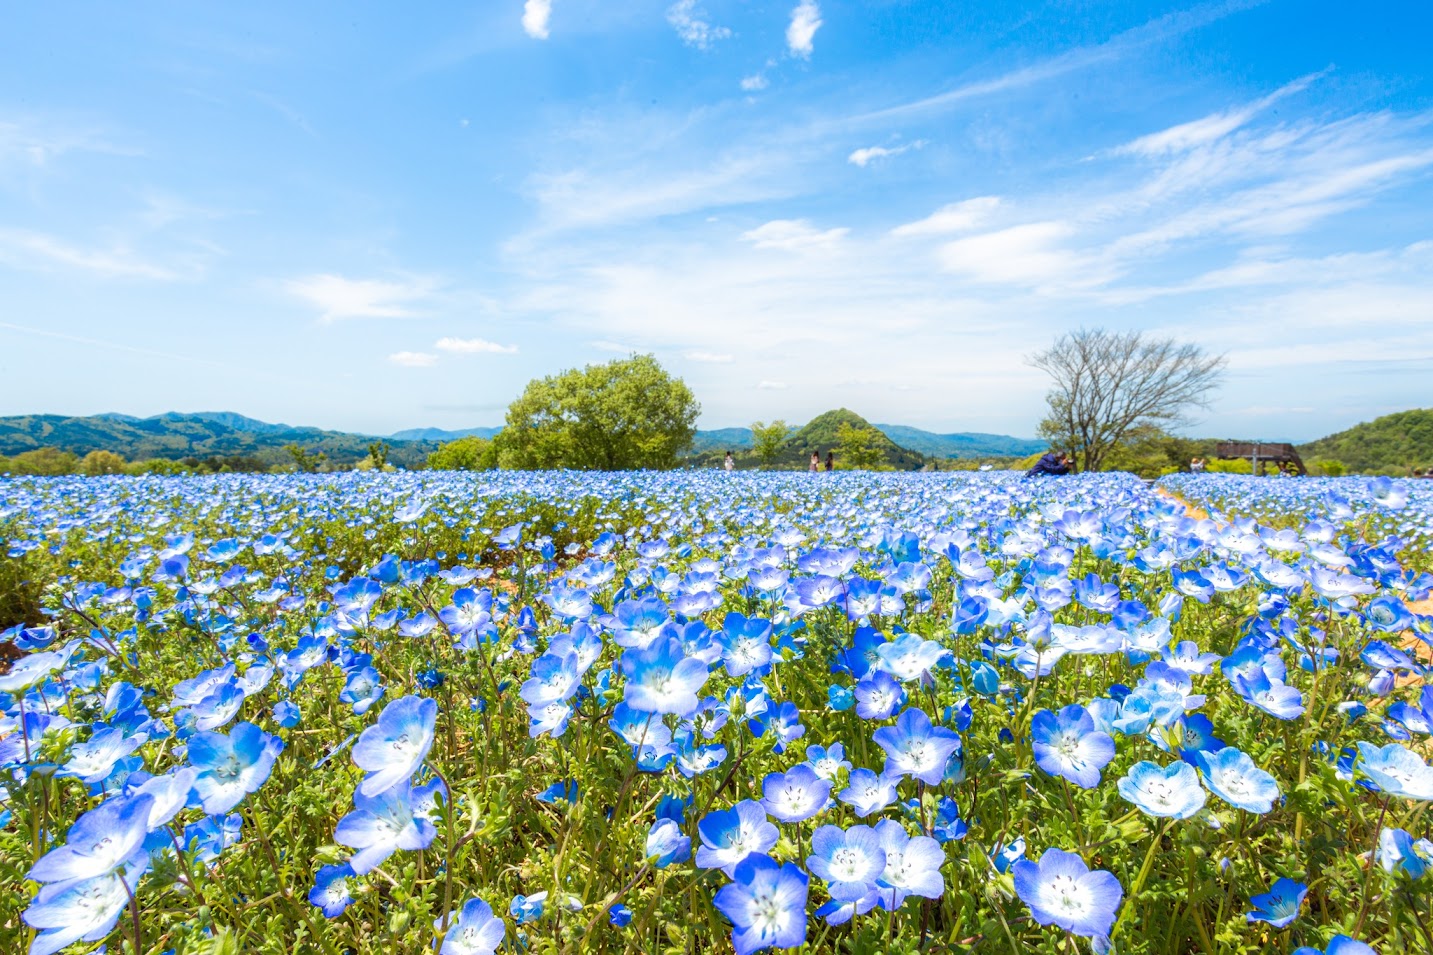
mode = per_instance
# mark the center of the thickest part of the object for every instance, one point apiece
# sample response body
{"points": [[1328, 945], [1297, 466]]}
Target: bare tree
{"points": [[1109, 383]]}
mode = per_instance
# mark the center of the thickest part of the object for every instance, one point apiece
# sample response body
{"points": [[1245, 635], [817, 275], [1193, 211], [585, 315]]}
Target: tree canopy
{"points": [[621, 415], [1107, 384]]}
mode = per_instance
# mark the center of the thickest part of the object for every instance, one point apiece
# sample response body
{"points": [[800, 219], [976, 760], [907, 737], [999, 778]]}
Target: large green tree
{"points": [[617, 416], [468, 453], [767, 439]]}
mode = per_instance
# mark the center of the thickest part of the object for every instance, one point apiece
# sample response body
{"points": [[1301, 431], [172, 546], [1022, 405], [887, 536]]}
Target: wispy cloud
{"points": [[754, 83], [864, 157], [473, 346], [689, 20], [21, 248], [413, 359], [535, 17], [769, 385], [801, 31], [793, 235], [956, 217], [338, 297], [715, 358]]}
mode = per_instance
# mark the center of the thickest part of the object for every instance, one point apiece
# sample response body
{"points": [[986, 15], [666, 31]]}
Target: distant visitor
{"points": [[815, 462], [729, 463], [1053, 463], [830, 460]]}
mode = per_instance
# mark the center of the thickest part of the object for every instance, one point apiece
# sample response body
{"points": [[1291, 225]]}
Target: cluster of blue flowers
{"points": [[897, 694]]}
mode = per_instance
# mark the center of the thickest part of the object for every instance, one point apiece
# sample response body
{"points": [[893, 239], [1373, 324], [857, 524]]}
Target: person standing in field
{"points": [[729, 463], [815, 462], [830, 460]]}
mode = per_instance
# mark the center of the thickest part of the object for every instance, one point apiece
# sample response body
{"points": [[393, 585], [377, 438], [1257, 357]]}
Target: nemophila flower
{"points": [[912, 865], [795, 795], [554, 677], [909, 656], [1233, 777], [527, 908], [1272, 696], [1338, 945], [94, 759], [1396, 770], [948, 826], [230, 767], [1061, 890], [666, 843], [867, 792], [836, 912], [380, 825], [850, 860], [661, 678], [828, 763], [1400, 852], [620, 916], [392, 749], [1066, 744], [785, 722], [560, 791], [287, 714], [1166, 792], [916, 748], [330, 891], [215, 709], [878, 696], [32, 669], [101, 842], [477, 931], [636, 623], [730, 835], [81, 910], [745, 644], [208, 838], [840, 698], [766, 903], [362, 690], [1280, 905]]}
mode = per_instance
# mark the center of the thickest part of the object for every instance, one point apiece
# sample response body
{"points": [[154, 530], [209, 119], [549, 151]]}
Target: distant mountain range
{"points": [[207, 434]]}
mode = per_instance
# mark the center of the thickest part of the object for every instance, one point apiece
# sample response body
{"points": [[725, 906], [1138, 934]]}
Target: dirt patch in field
{"points": [[1190, 511]]}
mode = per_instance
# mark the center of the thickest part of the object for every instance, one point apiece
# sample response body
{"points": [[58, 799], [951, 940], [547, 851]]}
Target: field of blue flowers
{"points": [[689, 712]]}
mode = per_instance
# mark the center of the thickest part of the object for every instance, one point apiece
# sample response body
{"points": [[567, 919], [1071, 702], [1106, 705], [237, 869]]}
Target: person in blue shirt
{"points": [[1053, 463]]}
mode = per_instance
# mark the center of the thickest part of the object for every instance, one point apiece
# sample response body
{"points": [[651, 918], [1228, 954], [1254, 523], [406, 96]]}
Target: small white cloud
{"points": [[535, 15], [805, 21], [687, 18], [956, 217], [862, 157], [793, 235], [413, 359], [754, 83], [473, 346], [707, 356], [773, 386], [338, 297], [1028, 254]]}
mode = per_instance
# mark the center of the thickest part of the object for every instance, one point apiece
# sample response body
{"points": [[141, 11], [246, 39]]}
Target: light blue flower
{"points": [[666, 843], [661, 678], [916, 748], [1066, 744], [795, 795], [81, 910], [1400, 852], [1396, 770], [730, 835], [230, 767], [99, 843], [850, 860], [393, 748], [1061, 890], [1233, 777], [1167, 792], [380, 825], [766, 903], [1280, 905], [477, 930], [912, 865], [330, 891]]}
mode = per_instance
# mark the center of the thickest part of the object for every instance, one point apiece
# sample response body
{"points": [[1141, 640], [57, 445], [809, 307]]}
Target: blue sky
{"points": [[369, 218]]}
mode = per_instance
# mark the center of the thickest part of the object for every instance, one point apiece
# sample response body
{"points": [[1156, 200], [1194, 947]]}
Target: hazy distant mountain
{"points": [[721, 439], [962, 444], [438, 434]]}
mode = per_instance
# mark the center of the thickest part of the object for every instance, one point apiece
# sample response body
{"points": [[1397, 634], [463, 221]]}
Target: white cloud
{"points": [[617, 347], [863, 157], [707, 356], [413, 359], [793, 235], [338, 297], [1023, 254], [754, 83], [768, 385], [535, 16], [956, 217], [36, 250], [688, 19], [805, 21], [1216, 126], [473, 346]]}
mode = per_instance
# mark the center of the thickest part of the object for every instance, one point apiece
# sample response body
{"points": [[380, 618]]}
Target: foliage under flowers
{"points": [[657, 712]]}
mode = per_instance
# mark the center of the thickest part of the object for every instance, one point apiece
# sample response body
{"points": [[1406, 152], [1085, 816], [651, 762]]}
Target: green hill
{"points": [[1394, 443], [962, 444], [203, 435], [819, 435]]}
